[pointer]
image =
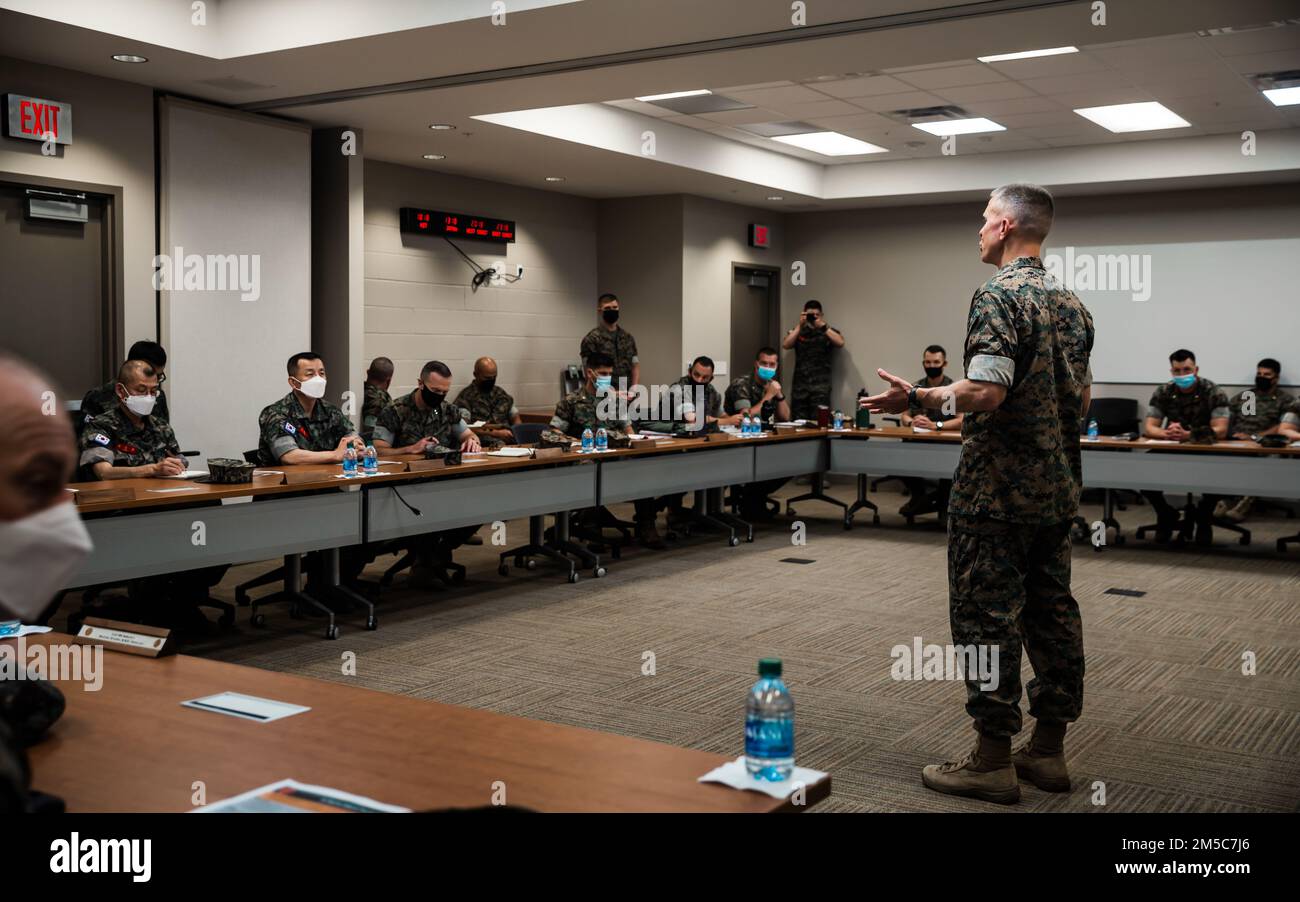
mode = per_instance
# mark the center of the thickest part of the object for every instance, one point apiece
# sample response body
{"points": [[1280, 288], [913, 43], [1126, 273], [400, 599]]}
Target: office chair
{"points": [[528, 433], [1186, 525]]}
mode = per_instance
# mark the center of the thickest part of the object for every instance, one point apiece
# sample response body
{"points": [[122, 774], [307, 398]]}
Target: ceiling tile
{"points": [[1262, 40], [1003, 90], [924, 66], [864, 87], [1275, 61], [929, 79], [994, 108], [1184, 50], [857, 121], [890, 102], [758, 87], [1102, 98], [778, 98], [821, 109], [742, 117], [1068, 84], [645, 109], [1058, 120], [1049, 66]]}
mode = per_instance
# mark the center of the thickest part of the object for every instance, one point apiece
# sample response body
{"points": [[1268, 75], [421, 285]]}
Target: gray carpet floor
{"points": [[1170, 722]]}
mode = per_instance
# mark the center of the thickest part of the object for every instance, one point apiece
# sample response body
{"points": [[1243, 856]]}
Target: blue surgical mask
{"points": [[603, 383], [1185, 381], [766, 373]]}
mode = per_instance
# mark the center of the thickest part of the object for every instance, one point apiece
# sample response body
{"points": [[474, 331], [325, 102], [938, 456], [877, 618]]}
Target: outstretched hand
{"points": [[892, 399]]}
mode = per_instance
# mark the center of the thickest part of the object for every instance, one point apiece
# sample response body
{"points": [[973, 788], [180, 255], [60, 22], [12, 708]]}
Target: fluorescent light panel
{"points": [[1134, 117], [1026, 54], [651, 98], [1283, 96], [830, 144], [945, 127]]}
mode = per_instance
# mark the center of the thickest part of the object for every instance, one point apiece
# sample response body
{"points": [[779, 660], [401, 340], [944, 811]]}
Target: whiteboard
{"points": [[1229, 302]]}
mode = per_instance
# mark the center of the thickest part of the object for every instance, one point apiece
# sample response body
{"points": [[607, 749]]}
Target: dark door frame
{"points": [[774, 295], [112, 279]]}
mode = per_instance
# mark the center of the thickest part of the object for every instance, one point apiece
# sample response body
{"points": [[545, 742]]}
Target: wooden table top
{"points": [[1228, 446], [131, 746]]}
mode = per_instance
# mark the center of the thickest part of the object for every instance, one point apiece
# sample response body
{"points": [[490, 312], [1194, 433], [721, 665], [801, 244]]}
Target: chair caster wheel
{"points": [[875, 520], [750, 536], [790, 512], [332, 631], [530, 564], [1244, 540], [504, 569], [733, 541], [616, 552], [372, 622], [573, 576], [848, 522], [258, 620], [598, 572]]}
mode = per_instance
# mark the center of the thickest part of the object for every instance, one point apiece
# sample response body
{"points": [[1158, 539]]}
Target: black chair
{"points": [[1186, 525], [528, 433], [1113, 415]]}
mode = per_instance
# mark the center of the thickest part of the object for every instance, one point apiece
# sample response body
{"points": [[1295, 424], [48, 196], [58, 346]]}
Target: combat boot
{"points": [[985, 772], [1041, 758]]}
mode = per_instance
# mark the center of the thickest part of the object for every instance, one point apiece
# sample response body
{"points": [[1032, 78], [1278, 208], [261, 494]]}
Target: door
{"points": [[55, 305], [755, 313]]}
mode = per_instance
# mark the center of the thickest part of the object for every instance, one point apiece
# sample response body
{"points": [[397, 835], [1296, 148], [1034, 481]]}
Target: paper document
{"points": [[249, 707], [511, 452], [919, 429], [292, 797], [183, 488], [734, 774], [188, 474], [477, 423]]}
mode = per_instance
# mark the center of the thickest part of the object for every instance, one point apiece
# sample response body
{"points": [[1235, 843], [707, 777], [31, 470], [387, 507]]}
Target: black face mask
{"points": [[610, 316], [934, 372], [1263, 384], [432, 399], [486, 385]]}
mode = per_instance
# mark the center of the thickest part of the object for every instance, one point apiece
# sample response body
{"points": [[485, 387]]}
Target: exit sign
{"points": [[759, 235], [36, 119]]}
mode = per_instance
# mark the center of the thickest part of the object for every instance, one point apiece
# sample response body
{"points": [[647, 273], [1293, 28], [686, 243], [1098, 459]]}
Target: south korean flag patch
{"points": [[290, 428], [100, 439]]}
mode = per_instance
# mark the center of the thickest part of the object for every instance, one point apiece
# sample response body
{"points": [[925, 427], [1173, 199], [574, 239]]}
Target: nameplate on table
{"points": [[130, 638], [104, 496], [721, 437]]}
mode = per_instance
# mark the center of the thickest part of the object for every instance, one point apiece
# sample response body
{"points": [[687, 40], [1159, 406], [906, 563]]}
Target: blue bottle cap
{"points": [[769, 667]]}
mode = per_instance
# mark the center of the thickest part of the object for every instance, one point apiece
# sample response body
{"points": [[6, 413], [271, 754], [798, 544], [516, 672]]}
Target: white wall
{"points": [[419, 306]]}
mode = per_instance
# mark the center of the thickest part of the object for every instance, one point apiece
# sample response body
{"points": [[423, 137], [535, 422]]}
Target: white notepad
{"points": [[249, 707]]}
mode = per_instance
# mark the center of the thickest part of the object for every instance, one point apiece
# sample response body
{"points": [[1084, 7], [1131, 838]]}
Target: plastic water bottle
{"points": [[370, 463], [350, 461], [745, 427], [602, 439], [1092, 430], [9, 627], [586, 440], [755, 425], [839, 420], [769, 725]]}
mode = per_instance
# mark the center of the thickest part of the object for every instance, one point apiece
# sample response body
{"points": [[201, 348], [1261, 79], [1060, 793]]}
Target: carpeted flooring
{"points": [[1170, 722]]}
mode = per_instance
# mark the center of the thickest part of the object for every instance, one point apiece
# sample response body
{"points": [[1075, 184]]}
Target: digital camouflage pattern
{"points": [[1269, 410], [712, 407], [1021, 462], [284, 426], [104, 398], [404, 423], [746, 392], [1194, 409], [578, 411], [811, 385], [495, 408], [915, 409], [1008, 585], [112, 437], [376, 400], [618, 344]]}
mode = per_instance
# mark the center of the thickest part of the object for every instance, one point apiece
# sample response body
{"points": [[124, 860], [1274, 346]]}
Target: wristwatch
{"points": [[911, 397], [938, 425]]}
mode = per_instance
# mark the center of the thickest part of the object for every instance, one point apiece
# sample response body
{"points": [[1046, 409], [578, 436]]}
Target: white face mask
{"points": [[140, 405], [38, 555], [313, 387]]}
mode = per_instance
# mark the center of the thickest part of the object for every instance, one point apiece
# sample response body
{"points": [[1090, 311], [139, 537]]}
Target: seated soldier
{"points": [[128, 441], [759, 394], [1187, 408], [581, 410], [484, 400], [98, 400], [1254, 413], [379, 376], [922, 501], [413, 423]]}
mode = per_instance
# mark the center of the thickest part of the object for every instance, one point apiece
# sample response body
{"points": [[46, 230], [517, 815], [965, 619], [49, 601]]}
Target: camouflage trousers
{"points": [[1008, 585], [805, 398]]}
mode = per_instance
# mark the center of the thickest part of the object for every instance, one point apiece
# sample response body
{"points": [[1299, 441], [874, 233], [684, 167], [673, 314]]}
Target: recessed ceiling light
{"points": [[830, 144], [555, 178], [651, 98], [1026, 54], [1134, 117], [775, 197], [1283, 96], [129, 58], [435, 156], [946, 127], [442, 127]]}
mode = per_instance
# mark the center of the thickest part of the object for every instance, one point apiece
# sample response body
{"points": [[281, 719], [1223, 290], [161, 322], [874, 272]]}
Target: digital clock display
{"points": [[457, 225]]}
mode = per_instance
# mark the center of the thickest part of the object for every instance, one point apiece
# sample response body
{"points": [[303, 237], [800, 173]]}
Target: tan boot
{"points": [[981, 773], [649, 537], [1041, 758], [1241, 510]]}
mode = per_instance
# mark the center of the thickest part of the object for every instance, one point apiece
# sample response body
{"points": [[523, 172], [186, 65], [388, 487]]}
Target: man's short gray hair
{"points": [[1030, 206]]}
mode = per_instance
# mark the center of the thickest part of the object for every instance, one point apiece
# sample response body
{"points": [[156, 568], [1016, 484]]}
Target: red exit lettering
{"points": [[39, 119]]}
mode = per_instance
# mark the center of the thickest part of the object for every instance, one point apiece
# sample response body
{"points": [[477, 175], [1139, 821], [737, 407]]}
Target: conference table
{"points": [[131, 746]]}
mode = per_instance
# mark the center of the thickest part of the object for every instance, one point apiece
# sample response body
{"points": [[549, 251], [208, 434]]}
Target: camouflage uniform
{"points": [[618, 344], [916, 486], [112, 437], [579, 411], [1194, 409], [1016, 487], [404, 423], [811, 385], [686, 404], [496, 408], [746, 392], [376, 400], [1269, 410], [284, 426], [102, 399]]}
